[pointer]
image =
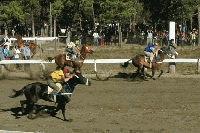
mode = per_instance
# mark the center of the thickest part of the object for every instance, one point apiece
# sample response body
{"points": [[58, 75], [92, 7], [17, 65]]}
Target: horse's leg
{"points": [[62, 107], [22, 102], [153, 73], [31, 107], [161, 72]]}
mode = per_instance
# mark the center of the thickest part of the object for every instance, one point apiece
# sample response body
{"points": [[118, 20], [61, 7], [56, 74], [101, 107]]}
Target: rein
{"points": [[68, 86]]}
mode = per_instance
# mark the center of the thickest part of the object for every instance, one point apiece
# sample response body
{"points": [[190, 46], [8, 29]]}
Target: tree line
{"points": [[35, 14]]}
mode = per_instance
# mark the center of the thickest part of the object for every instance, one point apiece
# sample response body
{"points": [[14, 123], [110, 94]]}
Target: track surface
{"points": [[119, 105]]}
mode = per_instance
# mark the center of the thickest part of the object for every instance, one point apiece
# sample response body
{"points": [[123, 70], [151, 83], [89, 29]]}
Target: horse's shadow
{"points": [[43, 111], [126, 76]]}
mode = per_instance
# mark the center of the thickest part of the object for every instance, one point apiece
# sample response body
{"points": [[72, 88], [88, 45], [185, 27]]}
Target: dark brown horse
{"points": [[140, 62], [61, 61], [32, 46]]}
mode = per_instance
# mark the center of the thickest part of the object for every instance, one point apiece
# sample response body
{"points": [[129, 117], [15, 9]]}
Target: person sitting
{"points": [[151, 51], [73, 49], [56, 76]]}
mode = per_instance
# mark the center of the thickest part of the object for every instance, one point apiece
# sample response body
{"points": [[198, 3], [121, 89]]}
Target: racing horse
{"points": [[61, 60], [35, 91], [32, 46], [140, 62]]}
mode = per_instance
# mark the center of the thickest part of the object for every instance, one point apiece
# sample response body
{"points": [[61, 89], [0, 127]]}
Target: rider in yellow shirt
{"points": [[57, 76]]}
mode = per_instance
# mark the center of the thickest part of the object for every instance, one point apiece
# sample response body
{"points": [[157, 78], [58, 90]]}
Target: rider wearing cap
{"points": [[73, 49], [151, 51]]}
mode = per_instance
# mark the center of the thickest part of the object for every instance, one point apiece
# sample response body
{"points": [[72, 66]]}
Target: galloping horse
{"points": [[140, 62], [35, 91], [61, 60], [32, 46]]}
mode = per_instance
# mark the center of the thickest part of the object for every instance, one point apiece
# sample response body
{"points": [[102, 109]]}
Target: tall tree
{"points": [[57, 7], [11, 13]]}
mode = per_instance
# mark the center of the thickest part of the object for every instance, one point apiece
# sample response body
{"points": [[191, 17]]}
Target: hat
{"points": [[156, 44], [65, 70]]}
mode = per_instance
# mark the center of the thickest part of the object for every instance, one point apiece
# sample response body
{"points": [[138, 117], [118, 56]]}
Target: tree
{"points": [[57, 7], [120, 12], [11, 13]]}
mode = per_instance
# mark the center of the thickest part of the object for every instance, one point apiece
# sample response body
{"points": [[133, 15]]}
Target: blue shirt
{"points": [[1, 52], [27, 51], [6, 52]]}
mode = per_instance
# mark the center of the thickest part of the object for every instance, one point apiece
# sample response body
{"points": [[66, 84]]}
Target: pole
{"points": [[50, 21], [199, 25]]}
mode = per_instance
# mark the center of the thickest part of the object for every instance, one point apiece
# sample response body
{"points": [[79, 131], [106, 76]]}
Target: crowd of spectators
{"points": [[182, 37]]}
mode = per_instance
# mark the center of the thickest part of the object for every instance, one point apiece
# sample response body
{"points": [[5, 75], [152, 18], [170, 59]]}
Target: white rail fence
{"points": [[96, 61]]}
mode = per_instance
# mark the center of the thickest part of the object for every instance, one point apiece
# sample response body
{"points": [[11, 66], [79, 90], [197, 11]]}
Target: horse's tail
{"points": [[125, 63], [17, 93]]}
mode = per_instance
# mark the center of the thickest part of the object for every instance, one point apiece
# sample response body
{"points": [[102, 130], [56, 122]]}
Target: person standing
{"points": [[149, 37], [6, 51], [182, 39], [68, 34], [27, 56], [1, 52], [15, 52], [96, 38]]}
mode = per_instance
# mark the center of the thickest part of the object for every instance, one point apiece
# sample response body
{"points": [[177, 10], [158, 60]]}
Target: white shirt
{"points": [[95, 35], [17, 53]]}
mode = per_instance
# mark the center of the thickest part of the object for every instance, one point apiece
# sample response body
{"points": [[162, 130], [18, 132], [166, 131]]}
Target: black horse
{"points": [[35, 91]]}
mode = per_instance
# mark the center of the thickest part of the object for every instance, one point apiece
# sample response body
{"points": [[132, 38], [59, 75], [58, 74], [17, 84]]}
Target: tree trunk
{"points": [[199, 25], [33, 25], [50, 22], [120, 35], [54, 25]]}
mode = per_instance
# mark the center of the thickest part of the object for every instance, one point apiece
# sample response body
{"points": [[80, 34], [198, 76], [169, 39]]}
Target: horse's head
{"points": [[87, 49], [78, 78]]}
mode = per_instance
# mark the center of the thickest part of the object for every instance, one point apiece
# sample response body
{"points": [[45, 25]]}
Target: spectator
{"points": [[182, 39], [8, 44], [96, 38], [193, 37], [163, 38], [27, 56], [6, 51], [149, 37], [68, 34], [142, 35], [79, 38], [155, 36], [15, 55], [1, 52], [102, 39]]}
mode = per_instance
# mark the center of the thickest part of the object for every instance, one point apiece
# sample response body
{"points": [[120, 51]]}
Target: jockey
{"points": [[67, 75], [56, 76], [172, 46], [151, 51], [73, 49]]}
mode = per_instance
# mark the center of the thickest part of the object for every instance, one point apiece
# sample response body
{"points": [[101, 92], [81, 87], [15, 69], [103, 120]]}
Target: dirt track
{"points": [[119, 105]]}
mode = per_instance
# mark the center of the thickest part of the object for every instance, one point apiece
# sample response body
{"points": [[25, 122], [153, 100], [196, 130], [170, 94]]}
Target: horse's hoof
{"points": [[20, 113], [154, 78], [31, 116], [68, 120]]}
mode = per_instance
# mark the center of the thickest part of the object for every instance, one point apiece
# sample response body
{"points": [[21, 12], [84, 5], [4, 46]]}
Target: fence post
{"points": [[55, 44], [95, 66], [198, 66]]}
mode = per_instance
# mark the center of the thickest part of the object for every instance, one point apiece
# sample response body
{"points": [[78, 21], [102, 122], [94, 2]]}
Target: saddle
{"points": [[68, 56], [50, 90]]}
